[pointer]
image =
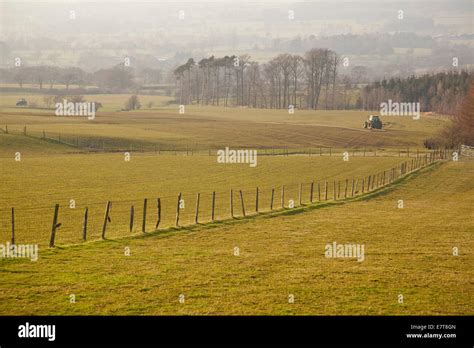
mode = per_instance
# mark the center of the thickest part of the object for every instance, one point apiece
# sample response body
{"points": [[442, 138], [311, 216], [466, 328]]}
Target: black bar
{"points": [[139, 330]]}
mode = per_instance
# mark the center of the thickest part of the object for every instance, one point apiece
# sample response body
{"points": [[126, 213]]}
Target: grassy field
{"points": [[407, 251], [39, 181]]}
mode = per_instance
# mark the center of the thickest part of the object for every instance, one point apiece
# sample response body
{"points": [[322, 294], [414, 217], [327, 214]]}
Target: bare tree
{"points": [[297, 69]]}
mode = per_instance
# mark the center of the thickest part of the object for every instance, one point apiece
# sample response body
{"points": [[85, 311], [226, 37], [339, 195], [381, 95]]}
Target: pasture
{"points": [[37, 183], [408, 252]]}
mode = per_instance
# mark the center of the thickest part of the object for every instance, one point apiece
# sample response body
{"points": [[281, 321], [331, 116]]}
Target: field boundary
{"points": [[351, 190], [98, 144], [170, 231], [283, 212]]}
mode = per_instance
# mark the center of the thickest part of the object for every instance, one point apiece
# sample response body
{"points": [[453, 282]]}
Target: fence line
{"points": [[99, 144], [120, 216]]}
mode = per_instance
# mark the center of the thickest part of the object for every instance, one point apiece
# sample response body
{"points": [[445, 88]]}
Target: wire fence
{"points": [[109, 144], [63, 224]]}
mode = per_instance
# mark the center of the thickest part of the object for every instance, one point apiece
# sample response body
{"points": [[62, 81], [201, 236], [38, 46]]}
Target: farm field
{"points": [[408, 251], [211, 127]]}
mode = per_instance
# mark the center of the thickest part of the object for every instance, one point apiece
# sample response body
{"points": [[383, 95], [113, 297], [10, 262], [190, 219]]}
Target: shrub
{"points": [[133, 103]]}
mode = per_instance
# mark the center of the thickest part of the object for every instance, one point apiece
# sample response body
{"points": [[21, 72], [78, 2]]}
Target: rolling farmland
{"points": [[280, 252]]}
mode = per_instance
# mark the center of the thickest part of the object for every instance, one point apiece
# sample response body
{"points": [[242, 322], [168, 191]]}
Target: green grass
{"points": [[38, 182], [407, 251], [110, 102]]}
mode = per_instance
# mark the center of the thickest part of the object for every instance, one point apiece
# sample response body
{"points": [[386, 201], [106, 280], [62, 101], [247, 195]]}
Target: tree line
{"points": [[117, 78], [441, 93], [318, 79], [307, 81], [461, 129]]}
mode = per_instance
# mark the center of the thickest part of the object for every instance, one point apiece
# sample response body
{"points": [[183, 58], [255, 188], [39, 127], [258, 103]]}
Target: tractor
{"points": [[22, 102], [373, 122]]}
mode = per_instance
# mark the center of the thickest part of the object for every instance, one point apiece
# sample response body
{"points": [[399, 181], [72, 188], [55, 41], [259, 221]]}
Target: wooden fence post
{"points": [[231, 198], [368, 183], [13, 226], [352, 188], [242, 201], [84, 225], [271, 202], [334, 190], [106, 219], [363, 185], [345, 189], [145, 203], [326, 191], [213, 204], [196, 218], [283, 196], [356, 186], [54, 226], [319, 192], [158, 220], [300, 192], [256, 201], [132, 218], [311, 192], [177, 210]]}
